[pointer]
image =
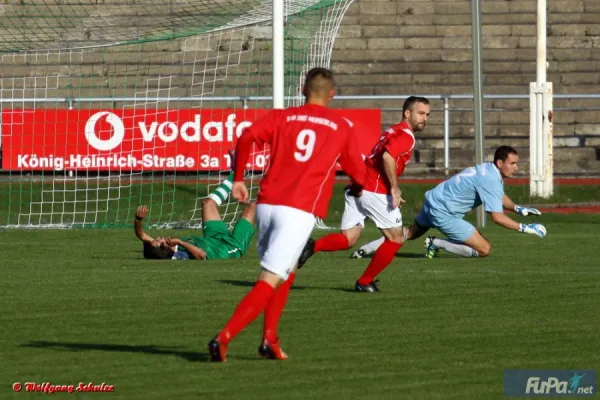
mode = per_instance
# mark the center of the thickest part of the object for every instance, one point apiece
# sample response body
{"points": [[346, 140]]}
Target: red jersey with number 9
{"points": [[398, 141], [305, 145]]}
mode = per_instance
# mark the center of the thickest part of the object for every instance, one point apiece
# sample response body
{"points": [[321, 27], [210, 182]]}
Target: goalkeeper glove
{"points": [[534, 229], [524, 211]]}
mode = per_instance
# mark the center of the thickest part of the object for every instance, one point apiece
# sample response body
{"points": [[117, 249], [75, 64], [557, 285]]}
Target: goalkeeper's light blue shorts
{"points": [[455, 228]]}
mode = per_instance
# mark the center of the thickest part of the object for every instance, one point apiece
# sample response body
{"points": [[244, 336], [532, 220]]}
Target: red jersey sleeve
{"points": [[351, 159], [400, 144], [261, 132]]}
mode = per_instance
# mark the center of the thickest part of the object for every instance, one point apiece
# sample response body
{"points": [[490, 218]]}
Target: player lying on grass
{"points": [[217, 243], [446, 205]]}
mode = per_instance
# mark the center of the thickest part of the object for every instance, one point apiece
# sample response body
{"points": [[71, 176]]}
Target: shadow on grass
{"points": [[234, 282], [345, 289], [349, 289], [401, 255], [125, 348]]}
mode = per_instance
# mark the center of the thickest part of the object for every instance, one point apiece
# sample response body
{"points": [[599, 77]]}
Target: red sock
{"points": [[275, 308], [332, 242], [381, 259], [247, 310]]}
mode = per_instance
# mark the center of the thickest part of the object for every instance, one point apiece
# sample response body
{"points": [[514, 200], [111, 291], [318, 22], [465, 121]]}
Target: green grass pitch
{"points": [[83, 306]]}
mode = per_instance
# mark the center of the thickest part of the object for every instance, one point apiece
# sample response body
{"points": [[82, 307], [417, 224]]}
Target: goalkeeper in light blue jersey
{"points": [[446, 205]]}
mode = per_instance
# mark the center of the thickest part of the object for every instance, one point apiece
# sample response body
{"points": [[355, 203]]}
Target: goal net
{"points": [[107, 105]]}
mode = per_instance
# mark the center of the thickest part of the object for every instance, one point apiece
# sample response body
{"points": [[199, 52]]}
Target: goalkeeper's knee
{"points": [[484, 250]]}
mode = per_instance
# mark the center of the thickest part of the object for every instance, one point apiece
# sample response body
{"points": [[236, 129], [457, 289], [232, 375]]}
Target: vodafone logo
{"points": [[192, 127], [117, 127]]}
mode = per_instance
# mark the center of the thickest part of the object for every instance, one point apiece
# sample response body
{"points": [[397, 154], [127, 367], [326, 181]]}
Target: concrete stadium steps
{"points": [[455, 55], [467, 142], [567, 126], [424, 47], [566, 160]]}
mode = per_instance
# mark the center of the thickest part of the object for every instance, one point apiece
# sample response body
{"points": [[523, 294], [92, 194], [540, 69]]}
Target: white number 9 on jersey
{"points": [[305, 143]]}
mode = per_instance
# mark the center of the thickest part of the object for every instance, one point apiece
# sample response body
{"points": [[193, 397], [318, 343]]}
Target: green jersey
{"points": [[219, 243]]}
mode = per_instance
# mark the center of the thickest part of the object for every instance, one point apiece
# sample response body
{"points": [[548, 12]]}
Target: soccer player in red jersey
{"points": [[305, 144], [380, 198]]}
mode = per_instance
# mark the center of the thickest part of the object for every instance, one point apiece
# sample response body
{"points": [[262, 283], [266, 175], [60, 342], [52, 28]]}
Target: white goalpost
{"points": [[540, 94], [278, 54]]}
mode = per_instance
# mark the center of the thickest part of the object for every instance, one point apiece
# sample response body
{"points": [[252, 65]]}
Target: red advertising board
{"points": [[139, 140]]}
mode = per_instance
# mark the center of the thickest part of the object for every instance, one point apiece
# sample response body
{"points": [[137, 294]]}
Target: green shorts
{"points": [[239, 238]]}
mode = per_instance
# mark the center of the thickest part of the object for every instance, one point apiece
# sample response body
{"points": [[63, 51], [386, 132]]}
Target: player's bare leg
{"points": [[210, 210], [480, 244], [475, 246], [352, 234], [414, 231], [394, 239], [249, 213]]}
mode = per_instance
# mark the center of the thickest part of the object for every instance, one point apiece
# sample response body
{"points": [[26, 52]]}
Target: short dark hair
{"points": [[411, 101], [318, 80], [502, 153], [157, 252]]}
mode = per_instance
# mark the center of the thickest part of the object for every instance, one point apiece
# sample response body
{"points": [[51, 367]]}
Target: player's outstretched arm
{"points": [[242, 150], [508, 204], [196, 252], [506, 222], [389, 169], [140, 214], [239, 190]]}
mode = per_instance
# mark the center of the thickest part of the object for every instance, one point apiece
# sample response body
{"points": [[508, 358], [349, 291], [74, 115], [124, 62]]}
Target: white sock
{"points": [[221, 193], [459, 249], [371, 247]]}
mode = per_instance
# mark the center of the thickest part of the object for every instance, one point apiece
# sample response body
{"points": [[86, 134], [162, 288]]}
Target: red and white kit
{"points": [[375, 202], [305, 144]]}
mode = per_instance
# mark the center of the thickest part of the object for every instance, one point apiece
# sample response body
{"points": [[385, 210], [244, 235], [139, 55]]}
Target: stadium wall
{"points": [[424, 47]]}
